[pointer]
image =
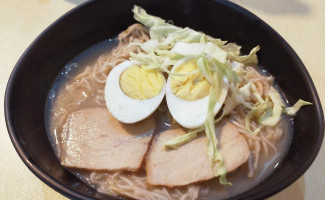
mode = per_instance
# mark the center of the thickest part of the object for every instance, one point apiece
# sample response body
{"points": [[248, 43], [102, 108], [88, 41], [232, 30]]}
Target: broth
{"points": [[60, 96]]}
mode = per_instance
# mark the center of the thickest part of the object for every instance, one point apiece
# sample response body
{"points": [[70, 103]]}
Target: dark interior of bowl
{"points": [[100, 20]]}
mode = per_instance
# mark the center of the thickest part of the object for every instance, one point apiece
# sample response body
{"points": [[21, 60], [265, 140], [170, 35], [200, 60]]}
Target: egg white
{"points": [[191, 114], [124, 108]]}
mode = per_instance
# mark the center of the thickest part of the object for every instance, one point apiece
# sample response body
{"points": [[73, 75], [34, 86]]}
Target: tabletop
{"points": [[300, 22]]}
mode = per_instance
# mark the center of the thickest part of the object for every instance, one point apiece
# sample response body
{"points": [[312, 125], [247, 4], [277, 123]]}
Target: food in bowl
{"points": [[223, 127]]}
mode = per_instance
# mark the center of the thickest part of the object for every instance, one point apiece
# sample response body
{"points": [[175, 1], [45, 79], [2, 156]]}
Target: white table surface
{"points": [[300, 22]]}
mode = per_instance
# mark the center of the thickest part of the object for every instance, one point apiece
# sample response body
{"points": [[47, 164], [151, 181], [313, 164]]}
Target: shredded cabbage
{"points": [[230, 102], [212, 149], [197, 49], [148, 20], [251, 58], [232, 47], [166, 36], [152, 61], [278, 106], [239, 99], [148, 46], [226, 69], [245, 91], [257, 112], [249, 90], [295, 108], [176, 142]]}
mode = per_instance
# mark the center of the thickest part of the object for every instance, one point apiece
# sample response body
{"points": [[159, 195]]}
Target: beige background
{"points": [[300, 22]]}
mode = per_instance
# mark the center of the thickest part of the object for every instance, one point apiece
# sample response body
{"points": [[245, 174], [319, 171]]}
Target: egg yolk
{"points": [[189, 87], [139, 83]]}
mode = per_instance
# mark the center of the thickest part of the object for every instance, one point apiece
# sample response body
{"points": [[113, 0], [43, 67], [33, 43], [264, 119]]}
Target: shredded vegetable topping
{"points": [[222, 64], [295, 108]]}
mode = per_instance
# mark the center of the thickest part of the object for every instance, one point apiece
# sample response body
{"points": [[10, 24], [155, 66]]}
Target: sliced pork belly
{"points": [[190, 163], [93, 139], [233, 147], [182, 166]]}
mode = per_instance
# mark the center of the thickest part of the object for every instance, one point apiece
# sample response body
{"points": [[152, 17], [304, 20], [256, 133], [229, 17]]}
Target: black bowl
{"points": [[96, 21]]}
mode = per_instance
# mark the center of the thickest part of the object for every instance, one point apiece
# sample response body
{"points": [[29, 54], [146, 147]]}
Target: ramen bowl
{"points": [[96, 21]]}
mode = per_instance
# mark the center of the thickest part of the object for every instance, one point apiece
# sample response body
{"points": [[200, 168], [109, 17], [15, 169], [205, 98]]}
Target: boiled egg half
{"points": [[187, 94], [132, 93]]}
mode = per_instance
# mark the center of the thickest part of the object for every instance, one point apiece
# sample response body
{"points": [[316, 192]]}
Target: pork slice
{"points": [[93, 139], [182, 166], [190, 163], [233, 147]]}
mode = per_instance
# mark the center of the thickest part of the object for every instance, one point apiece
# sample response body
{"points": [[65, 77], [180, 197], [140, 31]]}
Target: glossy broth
{"points": [[60, 96]]}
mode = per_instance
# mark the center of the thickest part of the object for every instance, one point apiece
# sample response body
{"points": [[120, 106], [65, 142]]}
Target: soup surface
{"points": [[64, 99]]}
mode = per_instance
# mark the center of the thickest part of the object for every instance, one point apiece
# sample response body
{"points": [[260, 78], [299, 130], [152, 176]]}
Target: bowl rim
{"points": [[70, 193]]}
